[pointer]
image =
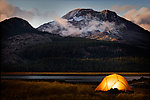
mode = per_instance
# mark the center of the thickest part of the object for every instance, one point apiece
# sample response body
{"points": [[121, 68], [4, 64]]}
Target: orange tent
{"points": [[113, 81]]}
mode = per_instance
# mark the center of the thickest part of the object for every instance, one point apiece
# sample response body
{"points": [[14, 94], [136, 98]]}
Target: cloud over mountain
{"points": [[68, 29], [140, 17]]}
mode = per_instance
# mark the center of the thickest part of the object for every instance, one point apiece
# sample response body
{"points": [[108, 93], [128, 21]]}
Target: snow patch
{"points": [[70, 20], [78, 18]]}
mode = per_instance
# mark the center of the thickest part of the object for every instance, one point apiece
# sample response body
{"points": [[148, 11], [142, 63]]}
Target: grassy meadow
{"points": [[44, 90]]}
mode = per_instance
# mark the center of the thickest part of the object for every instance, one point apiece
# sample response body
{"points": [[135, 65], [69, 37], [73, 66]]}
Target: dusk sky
{"points": [[38, 12]]}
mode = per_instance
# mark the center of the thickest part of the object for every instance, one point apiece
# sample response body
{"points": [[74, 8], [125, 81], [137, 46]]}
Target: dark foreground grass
{"points": [[41, 90]]}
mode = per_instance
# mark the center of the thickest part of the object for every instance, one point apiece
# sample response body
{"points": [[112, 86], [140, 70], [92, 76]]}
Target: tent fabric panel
{"points": [[101, 85], [111, 80], [119, 86], [124, 81]]}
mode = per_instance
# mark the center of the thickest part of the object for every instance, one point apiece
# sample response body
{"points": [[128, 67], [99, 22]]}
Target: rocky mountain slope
{"points": [[17, 34], [104, 25]]}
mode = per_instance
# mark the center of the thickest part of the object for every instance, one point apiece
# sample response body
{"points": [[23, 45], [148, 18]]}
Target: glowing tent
{"points": [[113, 81]]}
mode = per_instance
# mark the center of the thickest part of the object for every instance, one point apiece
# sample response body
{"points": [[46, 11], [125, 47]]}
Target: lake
{"points": [[65, 78]]}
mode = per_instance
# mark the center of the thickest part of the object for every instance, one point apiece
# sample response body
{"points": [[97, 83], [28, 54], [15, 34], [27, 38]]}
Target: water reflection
{"points": [[68, 78]]}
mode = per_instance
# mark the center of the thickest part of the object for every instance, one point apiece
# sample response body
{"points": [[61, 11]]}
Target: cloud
{"points": [[67, 29], [119, 9], [32, 15], [8, 11], [140, 17]]}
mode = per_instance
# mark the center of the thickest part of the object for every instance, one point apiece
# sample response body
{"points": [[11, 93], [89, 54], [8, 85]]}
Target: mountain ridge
{"points": [[26, 50], [103, 25], [15, 26]]}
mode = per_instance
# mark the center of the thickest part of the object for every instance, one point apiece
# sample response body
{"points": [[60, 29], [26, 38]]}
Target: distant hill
{"points": [[17, 34], [15, 26]]}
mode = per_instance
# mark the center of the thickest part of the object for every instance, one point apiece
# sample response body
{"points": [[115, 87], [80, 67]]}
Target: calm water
{"points": [[67, 78]]}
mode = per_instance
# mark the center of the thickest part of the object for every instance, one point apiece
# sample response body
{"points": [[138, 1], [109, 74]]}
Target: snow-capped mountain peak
{"points": [[100, 25], [85, 23]]}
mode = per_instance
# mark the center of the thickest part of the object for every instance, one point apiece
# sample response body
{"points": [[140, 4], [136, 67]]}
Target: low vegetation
{"points": [[43, 90]]}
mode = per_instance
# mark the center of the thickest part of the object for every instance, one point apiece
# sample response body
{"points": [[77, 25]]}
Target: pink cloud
{"points": [[140, 17], [32, 15], [8, 10]]}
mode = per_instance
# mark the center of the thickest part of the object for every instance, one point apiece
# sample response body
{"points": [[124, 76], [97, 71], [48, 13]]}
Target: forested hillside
{"points": [[81, 54]]}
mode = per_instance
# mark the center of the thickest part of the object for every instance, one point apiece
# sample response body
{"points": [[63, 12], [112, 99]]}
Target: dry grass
{"points": [[34, 90]]}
